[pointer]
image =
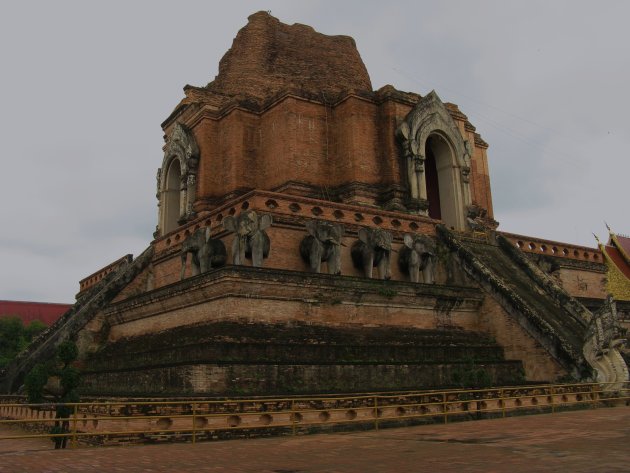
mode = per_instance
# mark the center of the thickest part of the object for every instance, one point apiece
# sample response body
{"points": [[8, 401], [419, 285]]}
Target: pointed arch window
{"points": [[177, 180], [437, 163]]}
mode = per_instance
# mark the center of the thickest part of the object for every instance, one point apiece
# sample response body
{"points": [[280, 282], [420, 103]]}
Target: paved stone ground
{"points": [[581, 441]]}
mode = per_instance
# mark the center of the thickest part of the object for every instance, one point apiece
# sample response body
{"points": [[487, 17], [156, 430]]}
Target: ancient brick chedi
{"points": [[315, 235], [293, 111]]}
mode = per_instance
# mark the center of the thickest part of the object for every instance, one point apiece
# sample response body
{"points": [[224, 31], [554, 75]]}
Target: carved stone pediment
{"points": [[431, 118], [182, 144], [182, 147], [430, 115]]}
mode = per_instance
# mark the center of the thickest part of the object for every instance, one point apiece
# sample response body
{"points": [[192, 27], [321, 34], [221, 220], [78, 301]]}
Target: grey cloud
{"points": [[85, 86]]}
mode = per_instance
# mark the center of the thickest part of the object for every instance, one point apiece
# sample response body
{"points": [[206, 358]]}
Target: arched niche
{"points": [[172, 196], [177, 180], [441, 181], [436, 162]]}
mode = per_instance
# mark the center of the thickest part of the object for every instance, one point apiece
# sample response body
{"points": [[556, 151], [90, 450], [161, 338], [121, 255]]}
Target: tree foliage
{"points": [[15, 336], [56, 378]]}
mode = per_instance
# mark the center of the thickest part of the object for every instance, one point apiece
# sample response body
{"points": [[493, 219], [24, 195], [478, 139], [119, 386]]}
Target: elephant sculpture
{"points": [[373, 250], [251, 240], [418, 255], [322, 244], [206, 252]]}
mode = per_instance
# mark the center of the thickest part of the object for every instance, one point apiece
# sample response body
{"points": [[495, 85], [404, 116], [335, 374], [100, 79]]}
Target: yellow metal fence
{"points": [[203, 419]]}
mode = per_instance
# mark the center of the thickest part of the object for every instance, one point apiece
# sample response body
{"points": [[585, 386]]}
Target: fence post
{"points": [[293, 416], [502, 402], [194, 422], [74, 426], [444, 407], [376, 412], [553, 399]]}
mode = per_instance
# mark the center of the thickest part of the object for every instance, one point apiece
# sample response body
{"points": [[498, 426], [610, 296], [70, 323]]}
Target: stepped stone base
{"points": [[243, 358], [269, 379]]}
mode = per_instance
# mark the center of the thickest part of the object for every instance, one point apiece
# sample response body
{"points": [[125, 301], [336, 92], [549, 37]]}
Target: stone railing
{"points": [[98, 276], [142, 420], [554, 248]]}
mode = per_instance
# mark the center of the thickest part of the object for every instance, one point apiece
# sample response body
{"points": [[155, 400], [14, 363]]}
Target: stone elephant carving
{"points": [[322, 244], [418, 255], [373, 250], [251, 240], [206, 252]]}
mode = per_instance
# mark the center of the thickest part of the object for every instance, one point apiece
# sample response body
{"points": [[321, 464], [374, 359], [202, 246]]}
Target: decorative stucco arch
{"points": [[431, 118], [181, 160]]}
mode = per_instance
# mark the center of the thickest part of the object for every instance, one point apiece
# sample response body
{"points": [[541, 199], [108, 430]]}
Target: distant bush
{"points": [[15, 336]]}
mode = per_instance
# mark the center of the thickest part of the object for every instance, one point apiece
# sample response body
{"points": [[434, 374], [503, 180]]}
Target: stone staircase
{"points": [[554, 318]]}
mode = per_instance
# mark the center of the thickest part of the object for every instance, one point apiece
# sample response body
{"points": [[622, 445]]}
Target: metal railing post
{"points": [[74, 426], [293, 417], [444, 407], [194, 422]]}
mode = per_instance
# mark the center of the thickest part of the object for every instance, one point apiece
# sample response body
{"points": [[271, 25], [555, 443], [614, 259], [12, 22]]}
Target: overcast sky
{"points": [[85, 85]]}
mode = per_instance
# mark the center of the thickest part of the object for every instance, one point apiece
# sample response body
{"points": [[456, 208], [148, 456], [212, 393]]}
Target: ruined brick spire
{"points": [[268, 57]]}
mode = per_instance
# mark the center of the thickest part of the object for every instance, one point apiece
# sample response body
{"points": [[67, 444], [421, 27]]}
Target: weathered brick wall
{"points": [[517, 343], [356, 303], [290, 104], [294, 298], [324, 145], [268, 56], [583, 283]]}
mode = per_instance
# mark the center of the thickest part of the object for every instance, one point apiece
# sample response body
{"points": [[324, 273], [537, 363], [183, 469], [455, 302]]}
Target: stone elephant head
{"points": [[251, 240], [373, 249], [323, 243], [206, 252], [418, 256]]}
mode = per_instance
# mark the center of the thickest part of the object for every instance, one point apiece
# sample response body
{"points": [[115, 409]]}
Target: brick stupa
{"points": [[315, 235]]}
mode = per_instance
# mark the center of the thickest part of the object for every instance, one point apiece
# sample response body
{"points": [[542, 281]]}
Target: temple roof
{"points": [[617, 255], [268, 56], [617, 258], [622, 243], [618, 248]]}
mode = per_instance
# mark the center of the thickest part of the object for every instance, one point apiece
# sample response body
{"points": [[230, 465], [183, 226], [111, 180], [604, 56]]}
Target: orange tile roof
{"points": [[617, 258], [624, 244], [29, 311]]}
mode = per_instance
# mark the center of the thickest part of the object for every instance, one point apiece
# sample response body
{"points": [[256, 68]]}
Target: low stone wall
{"points": [[114, 420]]}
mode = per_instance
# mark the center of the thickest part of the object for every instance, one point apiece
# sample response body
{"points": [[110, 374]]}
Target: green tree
{"points": [[66, 378], [33, 329], [15, 337]]}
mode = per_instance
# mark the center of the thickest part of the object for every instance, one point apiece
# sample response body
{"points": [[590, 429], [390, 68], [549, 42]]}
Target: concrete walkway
{"points": [[582, 441]]}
